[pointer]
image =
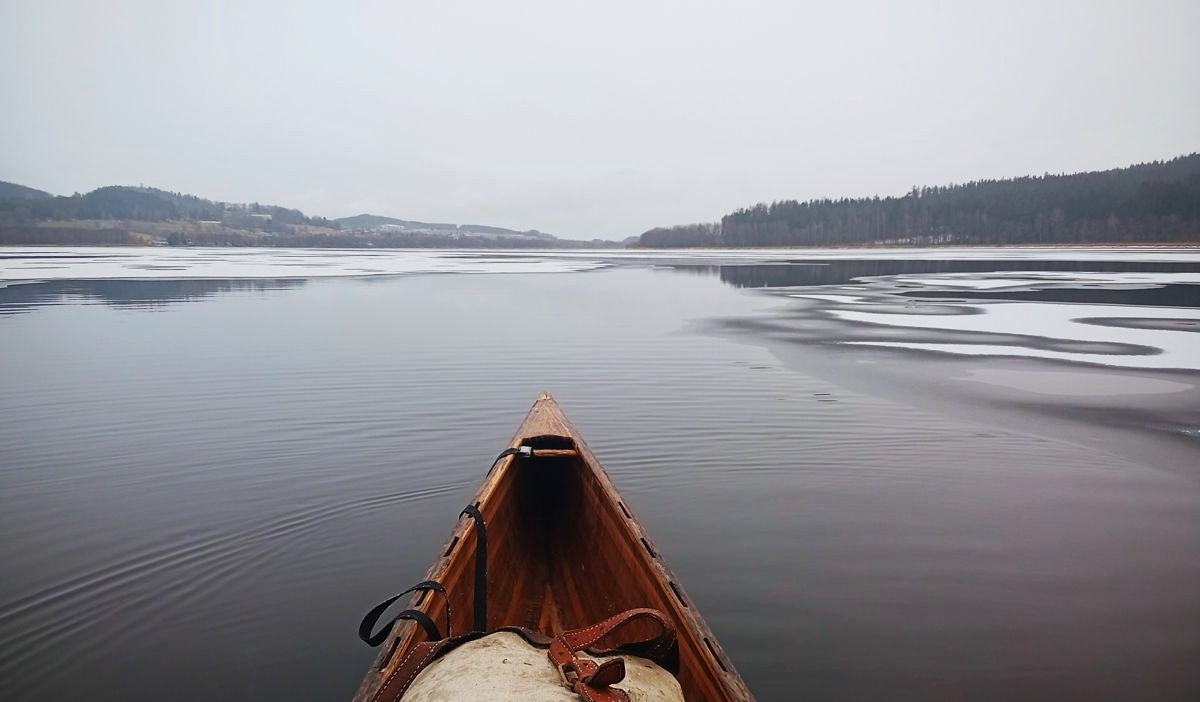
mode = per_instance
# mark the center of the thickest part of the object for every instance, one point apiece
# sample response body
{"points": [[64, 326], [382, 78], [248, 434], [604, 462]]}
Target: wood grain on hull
{"points": [[564, 551]]}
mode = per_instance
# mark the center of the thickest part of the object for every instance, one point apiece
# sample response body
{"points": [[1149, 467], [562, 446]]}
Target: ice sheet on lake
{"points": [[1122, 335], [27, 264], [844, 299], [809, 256], [1051, 328], [62, 263], [1012, 280]]}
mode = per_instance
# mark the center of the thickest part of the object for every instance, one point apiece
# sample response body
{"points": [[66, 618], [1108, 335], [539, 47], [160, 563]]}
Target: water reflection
{"points": [[204, 468], [133, 294], [802, 273], [1158, 295], [1133, 314]]}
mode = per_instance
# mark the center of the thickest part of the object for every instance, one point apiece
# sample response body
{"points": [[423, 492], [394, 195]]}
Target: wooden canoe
{"points": [[564, 551]]}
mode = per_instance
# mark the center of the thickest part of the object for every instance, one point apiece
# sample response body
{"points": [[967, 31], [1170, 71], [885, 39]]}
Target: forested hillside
{"points": [[1155, 202], [13, 191], [123, 215], [370, 221], [393, 227], [118, 202]]}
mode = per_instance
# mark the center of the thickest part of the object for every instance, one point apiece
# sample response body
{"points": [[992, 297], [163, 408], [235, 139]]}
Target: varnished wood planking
{"points": [[567, 558]]}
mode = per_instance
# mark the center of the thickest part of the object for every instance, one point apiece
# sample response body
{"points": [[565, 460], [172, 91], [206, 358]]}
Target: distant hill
{"points": [[117, 214], [118, 202], [127, 215], [484, 229], [370, 222], [12, 191], [1155, 202]]}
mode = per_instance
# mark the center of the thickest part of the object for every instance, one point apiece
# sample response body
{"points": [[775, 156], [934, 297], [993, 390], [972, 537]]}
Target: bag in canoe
{"points": [[513, 663]]}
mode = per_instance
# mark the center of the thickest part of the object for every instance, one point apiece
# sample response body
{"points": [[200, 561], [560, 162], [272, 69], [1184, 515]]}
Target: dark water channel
{"points": [[204, 484]]}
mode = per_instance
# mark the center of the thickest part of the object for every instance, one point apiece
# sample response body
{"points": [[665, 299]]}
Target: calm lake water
{"points": [[905, 475]]}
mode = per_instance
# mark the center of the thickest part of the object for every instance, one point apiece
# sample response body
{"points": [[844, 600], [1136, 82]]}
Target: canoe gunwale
{"points": [[547, 421]]}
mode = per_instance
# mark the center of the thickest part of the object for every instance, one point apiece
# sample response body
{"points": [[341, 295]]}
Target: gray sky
{"points": [[584, 119]]}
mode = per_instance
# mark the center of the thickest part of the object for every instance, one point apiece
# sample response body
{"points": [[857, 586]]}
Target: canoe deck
{"points": [[564, 551]]}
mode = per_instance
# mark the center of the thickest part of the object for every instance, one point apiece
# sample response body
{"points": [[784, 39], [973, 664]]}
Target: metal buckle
{"points": [[568, 673]]}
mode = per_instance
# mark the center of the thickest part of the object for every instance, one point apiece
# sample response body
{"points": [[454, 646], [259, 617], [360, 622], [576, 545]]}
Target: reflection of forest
{"points": [[1166, 295], [135, 293], [841, 272], [846, 271]]}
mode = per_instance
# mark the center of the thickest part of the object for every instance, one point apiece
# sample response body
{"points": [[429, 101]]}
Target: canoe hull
{"points": [[564, 551]]}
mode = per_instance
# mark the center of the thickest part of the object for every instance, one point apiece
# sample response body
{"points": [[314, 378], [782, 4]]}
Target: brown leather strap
{"points": [[601, 694], [534, 638], [590, 680], [581, 638], [420, 655]]}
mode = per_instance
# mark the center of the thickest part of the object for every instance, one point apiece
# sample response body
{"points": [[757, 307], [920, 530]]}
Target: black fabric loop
{"points": [[503, 454], [368, 622], [435, 586], [480, 622], [480, 566], [431, 629]]}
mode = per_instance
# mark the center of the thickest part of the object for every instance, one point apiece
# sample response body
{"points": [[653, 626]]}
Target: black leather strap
{"points": [[479, 625], [480, 566], [368, 622], [505, 454], [431, 630]]}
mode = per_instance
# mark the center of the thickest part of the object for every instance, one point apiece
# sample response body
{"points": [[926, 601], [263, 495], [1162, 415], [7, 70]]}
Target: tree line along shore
{"points": [[1155, 203], [1149, 203]]}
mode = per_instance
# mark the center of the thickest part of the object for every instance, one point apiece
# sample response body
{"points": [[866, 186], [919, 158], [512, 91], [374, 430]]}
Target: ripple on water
{"points": [[189, 494]]}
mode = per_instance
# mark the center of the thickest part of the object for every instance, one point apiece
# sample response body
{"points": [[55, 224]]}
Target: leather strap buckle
{"points": [[591, 680]]}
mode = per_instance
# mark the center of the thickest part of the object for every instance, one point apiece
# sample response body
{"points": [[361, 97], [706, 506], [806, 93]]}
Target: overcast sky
{"points": [[584, 119]]}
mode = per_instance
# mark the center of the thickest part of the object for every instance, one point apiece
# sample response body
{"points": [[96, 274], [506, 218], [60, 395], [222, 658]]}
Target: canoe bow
{"points": [[565, 550]]}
